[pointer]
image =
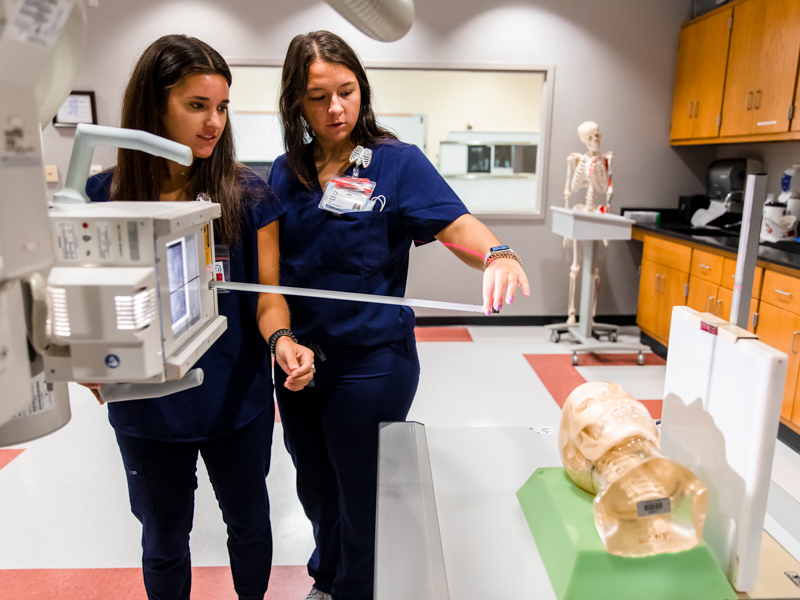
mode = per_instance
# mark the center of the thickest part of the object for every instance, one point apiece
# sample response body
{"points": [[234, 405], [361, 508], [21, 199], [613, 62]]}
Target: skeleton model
{"points": [[644, 503], [592, 171]]}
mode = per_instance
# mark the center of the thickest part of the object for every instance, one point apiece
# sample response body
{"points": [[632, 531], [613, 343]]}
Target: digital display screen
{"points": [[184, 283]]}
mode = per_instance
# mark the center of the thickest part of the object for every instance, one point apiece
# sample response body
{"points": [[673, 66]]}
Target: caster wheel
{"points": [[612, 336], [574, 359], [555, 337], [640, 359]]}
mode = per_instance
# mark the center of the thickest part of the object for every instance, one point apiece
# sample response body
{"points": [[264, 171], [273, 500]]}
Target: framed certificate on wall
{"points": [[79, 107]]}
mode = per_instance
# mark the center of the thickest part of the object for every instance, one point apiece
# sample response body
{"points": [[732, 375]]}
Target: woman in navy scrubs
{"points": [[179, 90], [366, 358]]}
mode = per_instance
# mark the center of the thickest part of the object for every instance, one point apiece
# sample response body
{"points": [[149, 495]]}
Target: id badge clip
{"points": [[348, 194]]}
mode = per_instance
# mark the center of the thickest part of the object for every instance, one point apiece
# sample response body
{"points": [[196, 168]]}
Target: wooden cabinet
{"points": [[762, 67], [781, 329], [704, 278], [743, 76], [700, 76], [663, 283], [667, 268], [725, 293]]}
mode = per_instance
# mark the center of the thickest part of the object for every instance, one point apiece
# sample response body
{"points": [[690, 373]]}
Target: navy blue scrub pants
{"points": [[331, 431], [161, 484]]}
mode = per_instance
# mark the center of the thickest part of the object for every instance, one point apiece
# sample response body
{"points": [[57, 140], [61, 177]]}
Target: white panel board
{"points": [[411, 129], [258, 136], [722, 400]]}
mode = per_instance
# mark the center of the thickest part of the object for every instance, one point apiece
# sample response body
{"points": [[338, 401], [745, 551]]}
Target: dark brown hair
{"points": [[303, 51], [138, 175]]}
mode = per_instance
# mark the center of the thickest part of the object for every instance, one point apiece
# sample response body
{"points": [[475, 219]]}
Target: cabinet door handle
{"points": [[749, 100], [696, 104], [708, 304], [689, 114], [757, 103], [782, 293], [794, 337], [716, 308], [702, 266]]}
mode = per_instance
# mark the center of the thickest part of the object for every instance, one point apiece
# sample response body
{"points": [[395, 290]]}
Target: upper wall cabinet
{"points": [[700, 79], [762, 67], [744, 58]]}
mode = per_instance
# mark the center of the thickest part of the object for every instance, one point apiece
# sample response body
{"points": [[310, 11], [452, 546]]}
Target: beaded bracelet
{"points": [[501, 254], [273, 339]]}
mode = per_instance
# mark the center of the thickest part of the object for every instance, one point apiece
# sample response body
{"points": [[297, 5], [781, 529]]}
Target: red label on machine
{"points": [[712, 329]]}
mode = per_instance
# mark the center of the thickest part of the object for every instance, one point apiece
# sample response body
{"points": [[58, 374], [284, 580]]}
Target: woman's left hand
{"points": [[296, 361], [500, 281]]}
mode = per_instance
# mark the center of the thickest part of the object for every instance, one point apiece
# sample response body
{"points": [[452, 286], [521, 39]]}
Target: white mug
{"points": [[773, 212]]}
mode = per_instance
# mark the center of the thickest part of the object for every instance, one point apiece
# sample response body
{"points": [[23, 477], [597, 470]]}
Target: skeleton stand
{"points": [[587, 229]]}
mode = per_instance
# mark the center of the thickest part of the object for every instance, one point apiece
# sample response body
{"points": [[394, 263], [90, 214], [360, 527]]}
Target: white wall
{"points": [[614, 64]]}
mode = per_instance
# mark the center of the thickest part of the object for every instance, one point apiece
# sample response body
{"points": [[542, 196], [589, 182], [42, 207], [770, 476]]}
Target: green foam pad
{"points": [[561, 519]]}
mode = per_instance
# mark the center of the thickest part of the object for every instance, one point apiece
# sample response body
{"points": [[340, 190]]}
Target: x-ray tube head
{"points": [[129, 297]]}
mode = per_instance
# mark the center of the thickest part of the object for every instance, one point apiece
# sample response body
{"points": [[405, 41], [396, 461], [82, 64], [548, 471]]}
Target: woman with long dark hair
{"points": [[367, 365], [179, 90]]}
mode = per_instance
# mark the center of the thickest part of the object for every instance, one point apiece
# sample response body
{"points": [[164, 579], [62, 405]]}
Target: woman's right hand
{"points": [[95, 388]]}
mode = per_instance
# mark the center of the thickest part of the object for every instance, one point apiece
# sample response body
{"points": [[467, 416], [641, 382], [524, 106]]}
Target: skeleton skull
{"points": [[596, 417], [589, 132]]}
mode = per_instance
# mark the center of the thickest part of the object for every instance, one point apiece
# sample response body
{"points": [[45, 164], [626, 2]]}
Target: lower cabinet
{"points": [[662, 285], [781, 329], [675, 273]]}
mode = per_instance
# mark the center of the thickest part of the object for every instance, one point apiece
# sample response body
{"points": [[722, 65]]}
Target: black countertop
{"points": [[785, 254]]}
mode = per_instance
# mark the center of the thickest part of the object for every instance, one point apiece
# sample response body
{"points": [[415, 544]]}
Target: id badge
{"points": [[347, 194]]}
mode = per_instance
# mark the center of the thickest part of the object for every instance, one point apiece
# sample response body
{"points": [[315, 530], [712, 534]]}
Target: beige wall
{"points": [[614, 64]]}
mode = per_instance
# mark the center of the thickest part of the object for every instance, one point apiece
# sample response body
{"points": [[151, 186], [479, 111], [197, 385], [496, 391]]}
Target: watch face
{"points": [[498, 248]]}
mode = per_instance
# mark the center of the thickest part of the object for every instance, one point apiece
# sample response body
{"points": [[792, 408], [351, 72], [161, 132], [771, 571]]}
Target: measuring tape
{"points": [[350, 296]]}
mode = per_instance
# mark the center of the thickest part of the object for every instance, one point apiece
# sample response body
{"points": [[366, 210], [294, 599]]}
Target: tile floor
{"points": [[66, 531]]}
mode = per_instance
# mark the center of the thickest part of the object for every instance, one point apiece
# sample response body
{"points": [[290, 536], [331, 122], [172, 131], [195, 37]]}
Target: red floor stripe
{"points": [[560, 377], [442, 334], [6, 456], [208, 583]]}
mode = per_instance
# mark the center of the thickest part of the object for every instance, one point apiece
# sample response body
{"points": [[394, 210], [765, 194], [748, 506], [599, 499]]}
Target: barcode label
{"points": [[104, 243], [133, 240], [41, 398], [647, 508], [67, 240], [40, 21]]}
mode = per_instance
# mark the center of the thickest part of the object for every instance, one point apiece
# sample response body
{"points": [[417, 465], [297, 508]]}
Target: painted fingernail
{"points": [[488, 313]]}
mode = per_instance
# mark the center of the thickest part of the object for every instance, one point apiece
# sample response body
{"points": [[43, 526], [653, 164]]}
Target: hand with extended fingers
{"points": [[500, 281]]}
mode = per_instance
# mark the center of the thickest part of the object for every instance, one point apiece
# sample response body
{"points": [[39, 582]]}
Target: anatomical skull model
{"points": [[644, 503], [591, 170]]}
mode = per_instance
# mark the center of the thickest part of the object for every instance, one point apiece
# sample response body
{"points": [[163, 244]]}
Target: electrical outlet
{"points": [[51, 173], [95, 169]]}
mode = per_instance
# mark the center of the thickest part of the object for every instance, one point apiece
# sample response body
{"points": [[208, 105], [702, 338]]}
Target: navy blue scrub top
{"points": [[363, 252], [238, 383]]}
